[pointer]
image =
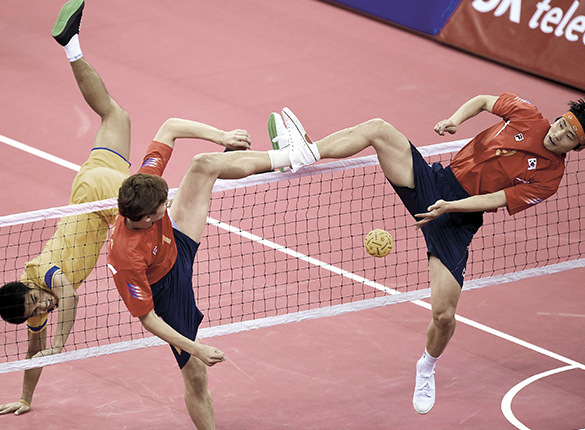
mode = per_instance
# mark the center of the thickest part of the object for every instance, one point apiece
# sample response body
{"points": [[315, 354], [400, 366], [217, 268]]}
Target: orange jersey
{"points": [[511, 156], [139, 258]]}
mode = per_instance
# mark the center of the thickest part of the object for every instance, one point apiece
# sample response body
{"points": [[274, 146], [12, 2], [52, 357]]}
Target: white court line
{"points": [[39, 153], [506, 402]]}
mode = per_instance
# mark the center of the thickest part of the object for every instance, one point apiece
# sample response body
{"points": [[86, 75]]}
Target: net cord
{"points": [[222, 185]]}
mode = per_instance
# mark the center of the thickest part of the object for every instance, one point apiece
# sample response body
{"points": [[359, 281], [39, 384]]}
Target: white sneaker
{"points": [[424, 393], [303, 152]]}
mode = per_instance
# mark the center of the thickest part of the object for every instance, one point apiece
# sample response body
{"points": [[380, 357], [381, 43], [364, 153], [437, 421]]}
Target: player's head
{"points": [[12, 302], [141, 195], [568, 131]]}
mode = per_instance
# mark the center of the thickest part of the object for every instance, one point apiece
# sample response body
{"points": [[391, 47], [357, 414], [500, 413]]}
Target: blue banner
{"points": [[427, 16]]}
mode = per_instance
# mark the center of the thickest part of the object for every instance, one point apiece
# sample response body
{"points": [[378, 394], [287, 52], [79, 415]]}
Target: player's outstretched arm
{"points": [[468, 110], [36, 342], [175, 128], [207, 354], [481, 203], [68, 300]]}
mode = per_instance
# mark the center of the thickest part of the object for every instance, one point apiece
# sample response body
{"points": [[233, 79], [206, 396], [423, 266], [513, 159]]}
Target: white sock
{"points": [[426, 364], [279, 158], [73, 49]]}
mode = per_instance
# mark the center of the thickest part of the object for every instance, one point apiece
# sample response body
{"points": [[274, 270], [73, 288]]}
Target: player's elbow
{"points": [[148, 322], [168, 131]]}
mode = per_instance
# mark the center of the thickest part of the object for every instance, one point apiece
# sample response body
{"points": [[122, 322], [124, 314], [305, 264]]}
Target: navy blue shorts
{"points": [[174, 300], [448, 236]]}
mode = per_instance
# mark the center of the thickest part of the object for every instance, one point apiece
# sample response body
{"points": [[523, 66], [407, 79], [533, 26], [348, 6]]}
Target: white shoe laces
{"points": [[425, 387]]}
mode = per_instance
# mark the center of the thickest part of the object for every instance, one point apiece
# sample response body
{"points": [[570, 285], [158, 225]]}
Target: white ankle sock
{"points": [[279, 158], [426, 364], [73, 49]]}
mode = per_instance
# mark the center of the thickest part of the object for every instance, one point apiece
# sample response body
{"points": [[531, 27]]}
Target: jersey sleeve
{"points": [[509, 105], [156, 158], [522, 196], [135, 290]]}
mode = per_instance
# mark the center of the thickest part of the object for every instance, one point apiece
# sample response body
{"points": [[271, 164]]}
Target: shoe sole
{"points": [[422, 412], [272, 133], [67, 16], [291, 116]]}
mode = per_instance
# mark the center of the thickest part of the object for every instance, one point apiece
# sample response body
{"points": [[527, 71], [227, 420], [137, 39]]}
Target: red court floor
{"points": [[230, 63]]}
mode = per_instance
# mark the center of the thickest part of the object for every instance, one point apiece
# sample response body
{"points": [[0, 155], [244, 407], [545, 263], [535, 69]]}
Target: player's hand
{"points": [[18, 408], [236, 139], [446, 126], [209, 355], [434, 211]]}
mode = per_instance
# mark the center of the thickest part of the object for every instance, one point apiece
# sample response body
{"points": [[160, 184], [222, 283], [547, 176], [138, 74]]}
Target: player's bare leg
{"points": [[197, 396], [445, 292], [114, 131], [191, 204], [392, 148]]}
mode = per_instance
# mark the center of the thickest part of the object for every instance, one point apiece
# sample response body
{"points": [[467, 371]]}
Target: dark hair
{"points": [[12, 302], [141, 194], [578, 108]]}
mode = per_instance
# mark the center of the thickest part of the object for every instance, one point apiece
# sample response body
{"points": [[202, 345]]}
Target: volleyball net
{"points": [[285, 247]]}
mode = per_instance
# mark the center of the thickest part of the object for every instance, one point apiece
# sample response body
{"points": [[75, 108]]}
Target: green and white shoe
{"points": [[278, 134], [68, 21]]}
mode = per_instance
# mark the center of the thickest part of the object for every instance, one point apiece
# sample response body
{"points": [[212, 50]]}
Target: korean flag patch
{"points": [[519, 137], [531, 163]]}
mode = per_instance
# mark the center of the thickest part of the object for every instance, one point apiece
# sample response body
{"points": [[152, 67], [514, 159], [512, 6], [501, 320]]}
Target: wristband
{"points": [[25, 402]]}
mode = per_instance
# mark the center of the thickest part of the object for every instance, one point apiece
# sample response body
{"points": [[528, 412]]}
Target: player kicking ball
{"points": [[516, 164], [153, 246]]}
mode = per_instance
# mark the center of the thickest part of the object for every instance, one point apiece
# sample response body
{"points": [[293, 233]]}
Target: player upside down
{"points": [[516, 164], [155, 284]]}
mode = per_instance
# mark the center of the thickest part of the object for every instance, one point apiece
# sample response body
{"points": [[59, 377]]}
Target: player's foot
{"points": [[424, 392], [303, 151], [278, 133], [68, 21]]}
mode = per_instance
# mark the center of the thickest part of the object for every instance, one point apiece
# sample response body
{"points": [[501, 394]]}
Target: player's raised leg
{"points": [[114, 131], [191, 204], [392, 147]]}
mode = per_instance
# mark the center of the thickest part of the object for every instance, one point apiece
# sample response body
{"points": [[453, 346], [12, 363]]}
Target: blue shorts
{"points": [[174, 300], [448, 237]]}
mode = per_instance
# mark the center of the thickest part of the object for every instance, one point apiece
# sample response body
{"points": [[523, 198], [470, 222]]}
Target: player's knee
{"points": [[195, 377], [444, 319], [204, 164], [123, 115], [379, 132]]}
